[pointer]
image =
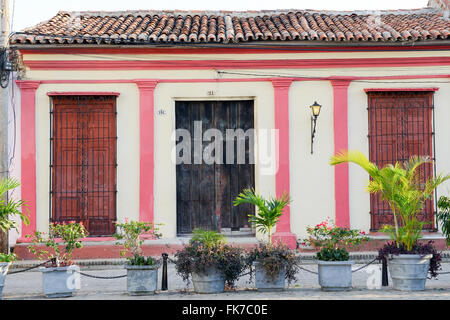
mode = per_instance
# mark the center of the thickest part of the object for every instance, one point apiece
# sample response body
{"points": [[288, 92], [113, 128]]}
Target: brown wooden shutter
{"points": [[400, 126], [83, 181]]}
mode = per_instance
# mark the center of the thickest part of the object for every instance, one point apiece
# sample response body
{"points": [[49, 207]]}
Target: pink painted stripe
{"points": [[341, 173], [232, 64], [146, 143], [28, 150], [247, 49]]}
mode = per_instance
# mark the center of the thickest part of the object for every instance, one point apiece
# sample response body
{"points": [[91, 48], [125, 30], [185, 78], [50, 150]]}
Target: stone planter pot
{"points": [[4, 266], [335, 275], [264, 282], [409, 271], [142, 280], [213, 281], [60, 281]]}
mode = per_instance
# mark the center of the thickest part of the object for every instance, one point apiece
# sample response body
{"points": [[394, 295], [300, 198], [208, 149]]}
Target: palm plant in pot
{"points": [[334, 266], [402, 187], [60, 275], [210, 262], [9, 208], [142, 272], [273, 263]]}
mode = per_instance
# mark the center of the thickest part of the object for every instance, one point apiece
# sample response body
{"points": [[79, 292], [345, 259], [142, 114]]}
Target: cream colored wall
{"points": [[312, 178], [127, 148]]}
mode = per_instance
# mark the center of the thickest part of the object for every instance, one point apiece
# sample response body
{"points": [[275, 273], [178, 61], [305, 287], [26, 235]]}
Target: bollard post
{"points": [[384, 273], [165, 256]]}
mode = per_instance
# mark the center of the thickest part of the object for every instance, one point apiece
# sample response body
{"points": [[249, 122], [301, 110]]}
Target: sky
{"points": [[27, 13]]}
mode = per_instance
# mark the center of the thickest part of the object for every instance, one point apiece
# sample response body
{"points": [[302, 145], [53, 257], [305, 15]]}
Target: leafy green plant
{"points": [[206, 250], [332, 240], [400, 185], [132, 233], [10, 207], [444, 217], [63, 238], [274, 258], [207, 238], [423, 249], [268, 213], [7, 257]]}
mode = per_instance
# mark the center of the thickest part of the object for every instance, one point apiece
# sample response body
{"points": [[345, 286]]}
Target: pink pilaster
{"points": [[341, 178], [281, 93], [146, 145], [28, 151]]}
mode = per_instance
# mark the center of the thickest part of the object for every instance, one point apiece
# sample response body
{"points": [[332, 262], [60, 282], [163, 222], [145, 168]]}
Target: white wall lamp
{"points": [[315, 109]]}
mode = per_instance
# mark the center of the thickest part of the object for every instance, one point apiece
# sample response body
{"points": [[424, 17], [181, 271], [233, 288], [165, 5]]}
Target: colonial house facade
{"points": [[112, 104]]}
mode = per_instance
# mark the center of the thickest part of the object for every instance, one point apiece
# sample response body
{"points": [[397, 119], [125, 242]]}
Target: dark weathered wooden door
{"points": [[84, 162], [205, 190], [400, 126]]}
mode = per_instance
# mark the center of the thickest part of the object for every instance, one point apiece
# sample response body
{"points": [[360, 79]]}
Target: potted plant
{"points": [[334, 266], [142, 272], [210, 262], [444, 217], [9, 208], [60, 274], [401, 186], [273, 263]]}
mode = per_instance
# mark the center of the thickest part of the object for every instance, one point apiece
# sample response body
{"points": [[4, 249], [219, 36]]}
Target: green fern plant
{"points": [[444, 216], [268, 212], [10, 207], [401, 186], [207, 238]]}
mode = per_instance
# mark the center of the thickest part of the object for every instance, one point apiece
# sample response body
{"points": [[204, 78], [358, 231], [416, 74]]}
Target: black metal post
{"points": [[165, 256], [384, 273], [313, 131]]}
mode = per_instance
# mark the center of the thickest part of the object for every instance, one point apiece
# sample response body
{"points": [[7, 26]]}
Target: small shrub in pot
{"points": [[210, 262], [273, 263], [60, 275], [142, 271], [334, 266]]}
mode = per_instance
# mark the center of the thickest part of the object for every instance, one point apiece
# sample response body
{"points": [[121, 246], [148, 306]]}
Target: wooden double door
{"points": [[83, 166], [205, 190]]}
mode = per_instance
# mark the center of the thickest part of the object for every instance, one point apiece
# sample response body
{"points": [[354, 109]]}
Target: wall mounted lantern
{"points": [[315, 109]]}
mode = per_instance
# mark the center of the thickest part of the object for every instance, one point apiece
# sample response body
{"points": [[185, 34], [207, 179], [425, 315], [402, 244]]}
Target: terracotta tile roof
{"points": [[141, 27]]}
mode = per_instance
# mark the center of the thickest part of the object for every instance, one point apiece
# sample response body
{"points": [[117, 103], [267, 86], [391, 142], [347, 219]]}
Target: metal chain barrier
{"points": [[100, 277], [30, 268], [364, 266], [307, 270]]}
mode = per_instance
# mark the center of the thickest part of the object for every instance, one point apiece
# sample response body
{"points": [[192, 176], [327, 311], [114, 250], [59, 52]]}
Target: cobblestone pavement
{"points": [[28, 285]]}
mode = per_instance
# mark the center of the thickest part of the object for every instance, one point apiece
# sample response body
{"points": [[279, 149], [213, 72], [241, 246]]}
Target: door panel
{"points": [[205, 192], [400, 126], [84, 165]]}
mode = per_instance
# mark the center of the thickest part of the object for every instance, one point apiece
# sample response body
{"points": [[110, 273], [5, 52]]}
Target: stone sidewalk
{"points": [[366, 286]]}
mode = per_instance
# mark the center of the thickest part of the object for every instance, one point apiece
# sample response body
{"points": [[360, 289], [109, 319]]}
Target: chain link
{"points": [[100, 277], [30, 268]]}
